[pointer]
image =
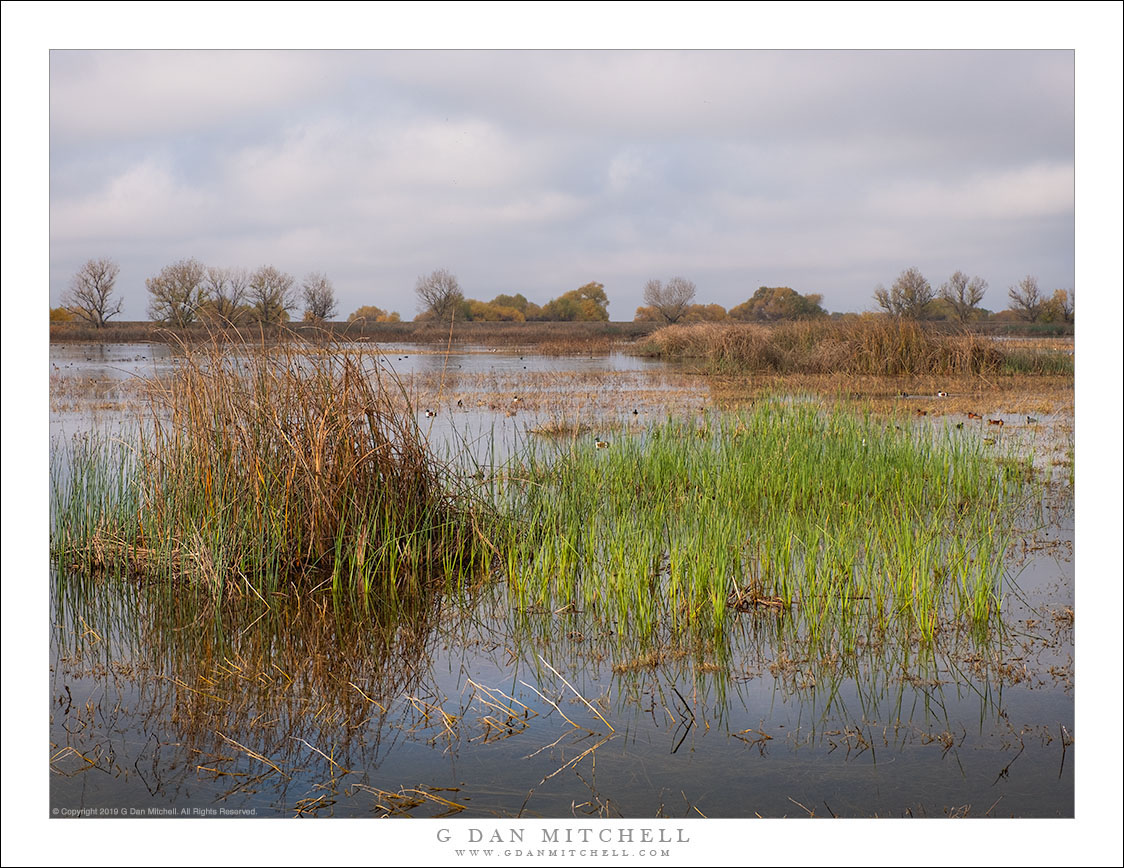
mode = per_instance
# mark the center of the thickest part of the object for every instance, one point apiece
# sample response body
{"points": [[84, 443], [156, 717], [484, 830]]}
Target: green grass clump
{"points": [[269, 468], [783, 509]]}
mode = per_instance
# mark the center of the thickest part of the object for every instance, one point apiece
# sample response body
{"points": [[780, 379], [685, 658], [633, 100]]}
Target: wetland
{"points": [[486, 583]]}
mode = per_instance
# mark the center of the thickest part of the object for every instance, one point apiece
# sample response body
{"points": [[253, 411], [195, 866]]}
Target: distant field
{"points": [[566, 336], [547, 337]]}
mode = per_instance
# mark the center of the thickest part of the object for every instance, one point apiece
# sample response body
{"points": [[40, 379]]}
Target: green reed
{"points": [[830, 516]]}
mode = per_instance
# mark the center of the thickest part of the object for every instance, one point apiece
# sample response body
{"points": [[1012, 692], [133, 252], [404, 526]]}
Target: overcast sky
{"points": [[539, 171]]}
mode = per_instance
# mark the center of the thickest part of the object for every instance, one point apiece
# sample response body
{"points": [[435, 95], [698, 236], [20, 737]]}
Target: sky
{"points": [[538, 171]]}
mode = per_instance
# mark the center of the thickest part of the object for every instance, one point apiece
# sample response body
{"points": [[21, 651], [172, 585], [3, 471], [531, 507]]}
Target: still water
{"points": [[469, 708]]}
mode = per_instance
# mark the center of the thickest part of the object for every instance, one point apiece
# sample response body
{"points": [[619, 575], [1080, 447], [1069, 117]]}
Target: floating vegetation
{"points": [[561, 428]]}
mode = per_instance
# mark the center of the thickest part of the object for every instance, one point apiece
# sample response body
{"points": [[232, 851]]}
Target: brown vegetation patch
{"points": [[280, 467], [545, 337], [1018, 394], [860, 346]]}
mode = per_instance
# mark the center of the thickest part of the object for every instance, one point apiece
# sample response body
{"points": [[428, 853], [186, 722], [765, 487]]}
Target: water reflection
{"points": [[475, 706], [461, 706]]}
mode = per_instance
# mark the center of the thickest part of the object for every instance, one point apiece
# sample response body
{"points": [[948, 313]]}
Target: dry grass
{"points": [[546, 337], [559, 427], [861, 346], [280, 467], [1018, 394]]}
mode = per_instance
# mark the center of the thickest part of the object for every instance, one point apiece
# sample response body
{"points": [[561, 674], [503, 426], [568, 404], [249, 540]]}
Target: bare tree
{"points": [[1026, 298], [672, 301], [271, 294], [908, 296], [176, 292], [319, 298], [440, 294], [226, 292], [964, 295], [89, 296]]}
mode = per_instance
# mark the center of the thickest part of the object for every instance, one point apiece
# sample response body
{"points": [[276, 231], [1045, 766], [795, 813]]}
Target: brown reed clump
{"points": [[867, 345], [284, 467]]}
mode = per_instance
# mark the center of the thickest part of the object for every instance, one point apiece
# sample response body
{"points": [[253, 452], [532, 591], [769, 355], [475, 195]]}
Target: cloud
{"points": [[122, 95], [537, 169], [144, 202], [1026, 192]]}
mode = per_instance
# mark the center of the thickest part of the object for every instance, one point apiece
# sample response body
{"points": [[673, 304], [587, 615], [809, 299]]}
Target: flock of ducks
{"points": [[997, 422], [55, 367], [516, 401], [511, 411]]}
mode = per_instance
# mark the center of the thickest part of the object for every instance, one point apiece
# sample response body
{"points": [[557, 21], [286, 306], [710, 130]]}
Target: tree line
{"points": [[188, 291], [674, 302], [911, 296], [440, 298]]}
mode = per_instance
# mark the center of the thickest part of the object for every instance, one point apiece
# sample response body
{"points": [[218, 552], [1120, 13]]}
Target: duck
{"points": [[429, 414], [942, 394], [972, 415], [600, 444], [1030, 420], [997, 422]]}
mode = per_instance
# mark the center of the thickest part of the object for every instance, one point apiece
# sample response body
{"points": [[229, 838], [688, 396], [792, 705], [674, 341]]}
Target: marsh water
{"points": [[468, 705]]}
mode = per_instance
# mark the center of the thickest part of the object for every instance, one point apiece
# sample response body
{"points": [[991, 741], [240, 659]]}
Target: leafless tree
{"points": [[440, 294], [89, 296], [672, 301], [319, 297], [1027, 299], [176, 292], [963, 294], [271, 294], [908, 296], [226, 292]]}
